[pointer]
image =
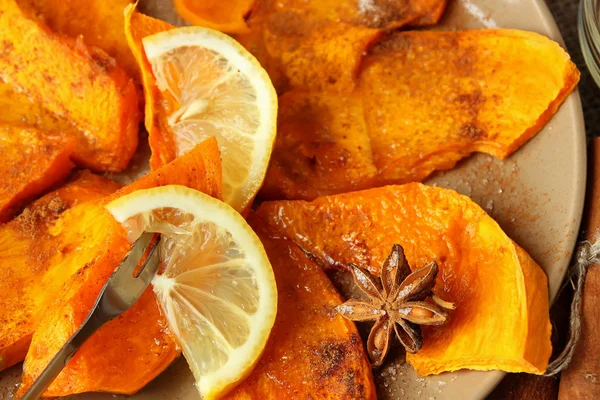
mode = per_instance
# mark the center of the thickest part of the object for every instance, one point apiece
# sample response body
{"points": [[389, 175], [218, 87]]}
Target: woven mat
{"points": [[565, 14]]}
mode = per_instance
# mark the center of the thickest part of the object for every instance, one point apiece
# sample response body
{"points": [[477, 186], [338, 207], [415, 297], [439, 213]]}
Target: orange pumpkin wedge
{"points": [[198, 169], [225, 16], [26, 251], [99, 22], [501, 321], [141, 332], [322, 147], [307, 52], [432, 98], [76, 83], [425, 101], [319, 44], [31, 164], [312, 352]]}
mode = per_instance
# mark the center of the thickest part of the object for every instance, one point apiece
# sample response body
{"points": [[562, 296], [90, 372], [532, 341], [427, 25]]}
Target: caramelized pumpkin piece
{"points": [[318, 44], [501, 319], [322, 147], [425, 100], [26, 251], [432, 98], [99, 22], [312, 352], [31, 164], [74, 82], [138, 26], [199, 169], [140, 333], [305, 51], [225, 16]]}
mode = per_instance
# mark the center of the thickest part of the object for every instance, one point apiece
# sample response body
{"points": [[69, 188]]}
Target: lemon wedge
{"points": [[215, 87], [216, 289]]}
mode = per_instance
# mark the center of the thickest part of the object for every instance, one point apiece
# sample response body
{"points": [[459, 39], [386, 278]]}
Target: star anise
{"points": [[396, 301]]}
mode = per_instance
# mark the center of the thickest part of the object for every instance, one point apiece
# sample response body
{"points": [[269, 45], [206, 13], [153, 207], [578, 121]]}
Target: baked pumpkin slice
{"points": [[501, 321], [322, 147], [141, 332], [307, 51], [425, 101], [432, 98], [26, 251], [312, 352], [32, 163], [225, 16], [117, 360], [99, 22], [319, 44], [76, 83]]}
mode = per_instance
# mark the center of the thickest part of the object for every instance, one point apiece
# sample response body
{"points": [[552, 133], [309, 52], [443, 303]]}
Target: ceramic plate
{"points": [[536, 195]]}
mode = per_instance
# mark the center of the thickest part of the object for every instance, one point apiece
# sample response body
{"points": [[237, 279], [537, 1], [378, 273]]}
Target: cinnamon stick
{"points": [[581, 380]]}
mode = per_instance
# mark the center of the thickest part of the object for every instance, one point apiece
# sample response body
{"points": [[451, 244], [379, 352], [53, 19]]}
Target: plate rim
{"points": [[577, 207]]}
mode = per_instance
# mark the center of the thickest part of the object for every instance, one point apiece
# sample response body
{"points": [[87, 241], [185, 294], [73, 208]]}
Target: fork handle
{"points": [[94, 321]]}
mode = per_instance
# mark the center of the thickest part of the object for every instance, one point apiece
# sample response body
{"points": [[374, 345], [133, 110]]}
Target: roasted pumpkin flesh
{"points": [[32, 163], [312, 352], [501, 319], [318, 45], [99, 22], [30, 245]]}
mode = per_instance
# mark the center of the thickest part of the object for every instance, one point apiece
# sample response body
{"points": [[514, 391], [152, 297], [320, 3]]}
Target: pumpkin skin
{"points": [[160, 138], [312, 352], [502, 318], [141, 332], [27, 251]]}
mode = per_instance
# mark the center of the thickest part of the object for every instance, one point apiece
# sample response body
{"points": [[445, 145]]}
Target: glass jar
{"points": [[589, 36]]}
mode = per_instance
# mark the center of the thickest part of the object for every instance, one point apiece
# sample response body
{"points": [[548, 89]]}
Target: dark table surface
{"points": [[523, 386], [565, 14]]}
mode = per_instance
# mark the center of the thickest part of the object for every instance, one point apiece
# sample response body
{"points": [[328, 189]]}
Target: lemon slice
{"points": [[217, 290], [215, 87]]}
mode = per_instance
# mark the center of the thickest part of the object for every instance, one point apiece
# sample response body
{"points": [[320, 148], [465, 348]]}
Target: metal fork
{"points": [[124, 287]]}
